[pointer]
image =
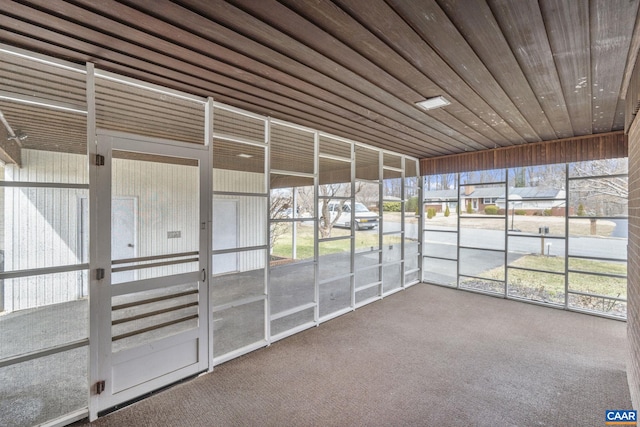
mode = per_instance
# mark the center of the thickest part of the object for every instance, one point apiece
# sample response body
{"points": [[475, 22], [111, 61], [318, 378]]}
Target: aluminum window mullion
{"points": [[267, 273], [566, 235], [316, 233], [459, 211], [579, 178], [506, 234], [25, 184], [36, 354]]}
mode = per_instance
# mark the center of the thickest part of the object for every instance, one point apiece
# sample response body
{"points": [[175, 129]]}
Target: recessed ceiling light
{"points": [[245, 156], [431, 103]]}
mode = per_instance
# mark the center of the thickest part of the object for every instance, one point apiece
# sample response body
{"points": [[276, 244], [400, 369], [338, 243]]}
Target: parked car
{"points": [[364, 218]]}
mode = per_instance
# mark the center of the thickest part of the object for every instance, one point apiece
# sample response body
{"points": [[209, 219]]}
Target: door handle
{"points": [[204, 275], [130, 245]]}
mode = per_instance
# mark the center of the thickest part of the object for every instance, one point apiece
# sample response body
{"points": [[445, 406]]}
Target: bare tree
{"points": [[281, 200], [327, 193], [605, 195]]}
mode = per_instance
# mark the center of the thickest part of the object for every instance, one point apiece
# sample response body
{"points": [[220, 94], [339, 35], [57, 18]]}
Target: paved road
{"points": [[622, 228]]}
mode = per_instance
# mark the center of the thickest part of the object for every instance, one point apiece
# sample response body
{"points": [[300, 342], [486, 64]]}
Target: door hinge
{"points": [[100, 385], [99, 273], [99, 160]]}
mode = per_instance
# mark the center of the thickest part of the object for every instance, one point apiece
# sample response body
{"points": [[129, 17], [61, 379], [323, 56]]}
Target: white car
{"points": [[364, 218]]}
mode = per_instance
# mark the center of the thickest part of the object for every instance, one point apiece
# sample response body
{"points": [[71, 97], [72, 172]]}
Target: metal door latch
{"points": [[100, 385]]}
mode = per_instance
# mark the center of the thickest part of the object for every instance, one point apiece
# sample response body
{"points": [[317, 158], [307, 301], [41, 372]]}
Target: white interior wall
{"points": [[43, 225], [41, 228], [252, 212]]}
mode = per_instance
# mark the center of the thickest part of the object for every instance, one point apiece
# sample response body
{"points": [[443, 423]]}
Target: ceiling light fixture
{"points": [[245, 156], [431, 103]]}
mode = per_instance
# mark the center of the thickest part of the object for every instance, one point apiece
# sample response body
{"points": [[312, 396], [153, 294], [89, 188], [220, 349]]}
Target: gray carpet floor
{"points": [[427, 356]]}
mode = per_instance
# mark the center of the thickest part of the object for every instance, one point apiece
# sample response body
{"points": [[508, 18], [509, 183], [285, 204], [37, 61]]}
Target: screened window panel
{"points": [[410, 255], [537, 253], [598, 305], [411, 168], [49, 139], [483, 176], [127, 108], [391, 248], [599, 167], [335, 176], [248, 213], [27, 397], [335, 296], [435, 186], [248, 282], [599, 196], [598, 284], [391, 277], [284, 324], [24, 76], [597, 238], [292, 202], [367, 163], [290, 247], [238, 327], [486, 233], [536, 286], [440, 244], [392, 186], [411, 278], [486, 200], [367, 294], [30, 331], [545, 178], [44, 227], [392, 160], [482, 263], [235, 124], [367, 240], [334, 147], [291, 286], [334, 258], [439, 271], [366, 258], [283, 157], [367, 276], [238, 167]]}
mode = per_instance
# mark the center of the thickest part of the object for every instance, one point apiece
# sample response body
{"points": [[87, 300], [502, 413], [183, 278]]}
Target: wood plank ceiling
{"points": [[515, 72]]}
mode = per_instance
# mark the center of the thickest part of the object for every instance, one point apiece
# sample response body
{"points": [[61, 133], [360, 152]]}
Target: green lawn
{"points": [[553, 283], [283, 245]]}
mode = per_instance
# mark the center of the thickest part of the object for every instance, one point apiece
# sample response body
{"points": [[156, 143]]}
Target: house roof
{"points": [[497, 193], [515, 72]]}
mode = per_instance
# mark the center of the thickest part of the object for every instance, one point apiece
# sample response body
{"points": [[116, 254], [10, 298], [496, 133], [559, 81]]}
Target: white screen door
{"points": [[153, 298]]}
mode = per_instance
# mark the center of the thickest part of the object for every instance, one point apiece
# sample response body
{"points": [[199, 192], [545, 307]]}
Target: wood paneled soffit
{"points": [[604, 146], [516, 72]]}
